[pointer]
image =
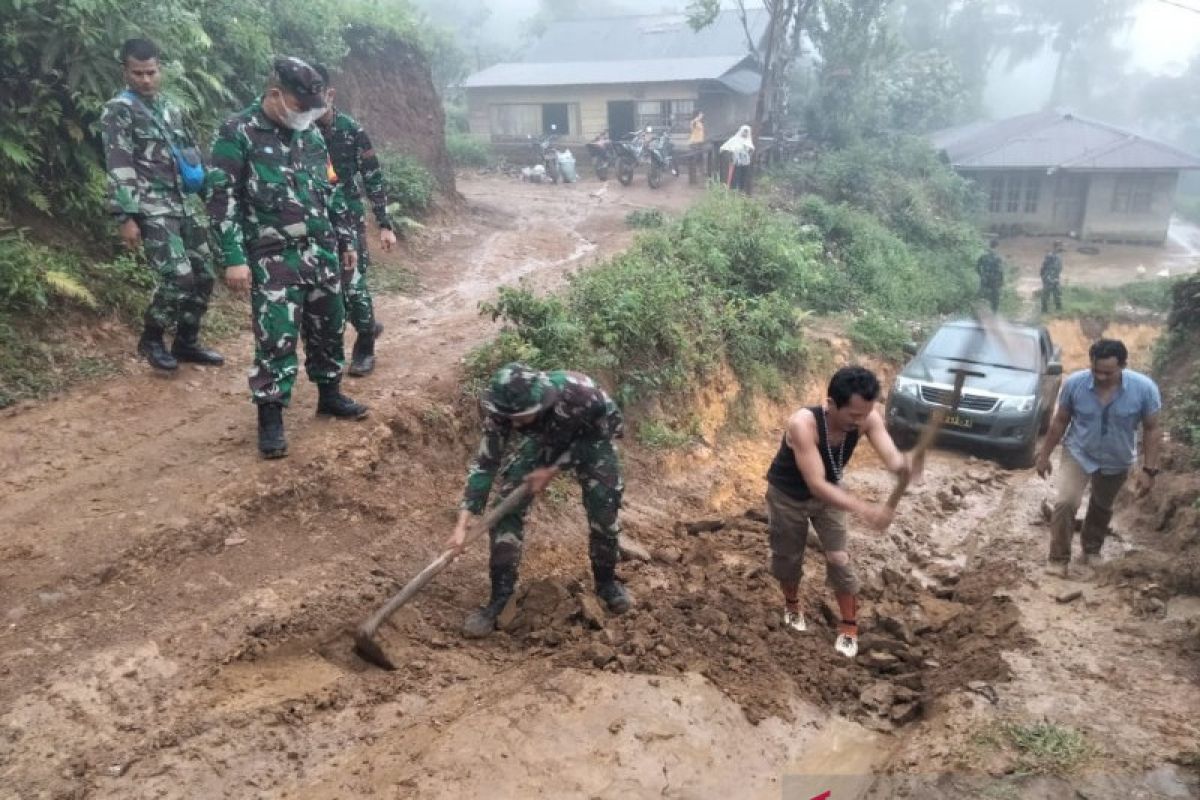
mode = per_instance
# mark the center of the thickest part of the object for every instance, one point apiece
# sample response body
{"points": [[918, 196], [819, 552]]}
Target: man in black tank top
{"points": [[803, 487]]}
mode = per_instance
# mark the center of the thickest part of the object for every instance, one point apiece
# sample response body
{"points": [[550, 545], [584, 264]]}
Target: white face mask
{"points": [[301, 120]]}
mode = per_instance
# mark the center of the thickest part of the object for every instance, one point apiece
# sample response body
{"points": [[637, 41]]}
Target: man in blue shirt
{"points": [[1099, 410]]}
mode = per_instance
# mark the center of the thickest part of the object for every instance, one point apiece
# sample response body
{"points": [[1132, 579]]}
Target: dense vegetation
{"points": [[1175, 363]]}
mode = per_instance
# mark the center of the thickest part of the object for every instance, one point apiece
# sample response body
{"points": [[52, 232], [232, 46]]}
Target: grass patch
{"points": [[467, 151], [1040, 748], [409, 185], [393, 279], [879, 335], [645, 218], [1106, 301], [658, 434]]}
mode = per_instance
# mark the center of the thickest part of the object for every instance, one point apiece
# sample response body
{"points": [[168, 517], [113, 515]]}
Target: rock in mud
{"points": [[879, 696], [1069, 597], [600, 654], [704, 526], [757, 515], [668, 555], [631, 549], [904, 713], [591, 612], [878, 659]]}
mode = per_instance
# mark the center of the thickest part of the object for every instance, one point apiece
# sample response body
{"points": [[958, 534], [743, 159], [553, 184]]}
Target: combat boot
{"points": [[482, 621], [151, 346], [271, 442], [362, 359], [332, 403], [611, 591], [187, 347]]}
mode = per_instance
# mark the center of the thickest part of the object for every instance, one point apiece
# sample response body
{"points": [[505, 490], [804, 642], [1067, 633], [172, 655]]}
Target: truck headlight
{"points": [[1021, 404], [907, 386]]}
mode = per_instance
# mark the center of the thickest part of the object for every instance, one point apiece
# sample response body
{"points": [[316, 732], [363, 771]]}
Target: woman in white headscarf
{"points": [[740, 147]]}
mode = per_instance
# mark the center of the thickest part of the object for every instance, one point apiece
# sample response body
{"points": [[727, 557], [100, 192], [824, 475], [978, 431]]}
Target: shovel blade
{"points": [[370, 651]]}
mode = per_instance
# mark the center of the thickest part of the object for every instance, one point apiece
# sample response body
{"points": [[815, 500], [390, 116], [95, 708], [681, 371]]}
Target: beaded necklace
{"points": [[839, 463]]}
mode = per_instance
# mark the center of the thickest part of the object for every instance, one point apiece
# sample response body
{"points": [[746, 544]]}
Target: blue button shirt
{"points": [[1102, 437]]}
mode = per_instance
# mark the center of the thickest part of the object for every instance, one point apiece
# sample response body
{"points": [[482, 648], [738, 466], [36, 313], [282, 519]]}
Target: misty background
{"points": [[1133, 63]]}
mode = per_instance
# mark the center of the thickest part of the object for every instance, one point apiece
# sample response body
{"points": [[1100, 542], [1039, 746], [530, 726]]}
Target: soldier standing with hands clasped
{"points": [[283, 225]]}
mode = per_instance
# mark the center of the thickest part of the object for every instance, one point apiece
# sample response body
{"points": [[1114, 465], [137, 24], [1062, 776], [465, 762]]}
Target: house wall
{"points": [[721, 109], [1094, 206], [1115, 212]]}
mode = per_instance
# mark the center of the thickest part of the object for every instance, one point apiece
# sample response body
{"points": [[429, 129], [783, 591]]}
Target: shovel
{"points": [[364, 638]]}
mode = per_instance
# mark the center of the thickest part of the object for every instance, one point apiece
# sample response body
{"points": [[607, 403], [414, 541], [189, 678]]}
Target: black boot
{"points": [[151, 346], [611, 590], [270, 431], [332, 403], [187, 347], [482, 621], [362, 359]]}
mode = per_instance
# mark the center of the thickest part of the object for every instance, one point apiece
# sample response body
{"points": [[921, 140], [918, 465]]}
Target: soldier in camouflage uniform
{"points": [[552, 413], [352, 154], [1052, 268], [991, 274], [139, 128], [281, 223]]}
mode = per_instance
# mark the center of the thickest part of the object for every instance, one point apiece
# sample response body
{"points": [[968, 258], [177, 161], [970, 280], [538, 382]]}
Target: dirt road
{"points": [[176, 612]]}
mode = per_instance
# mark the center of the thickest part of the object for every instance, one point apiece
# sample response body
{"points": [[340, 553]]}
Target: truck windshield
{"points": [[974, 345]]}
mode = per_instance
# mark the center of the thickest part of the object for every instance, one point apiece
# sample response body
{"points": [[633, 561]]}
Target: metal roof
{"points": [[1056, 140], [575, 73], [651, 37]]}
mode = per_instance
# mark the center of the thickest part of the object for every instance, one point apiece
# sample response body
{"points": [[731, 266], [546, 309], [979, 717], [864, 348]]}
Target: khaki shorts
{"points": [[788, 522]]}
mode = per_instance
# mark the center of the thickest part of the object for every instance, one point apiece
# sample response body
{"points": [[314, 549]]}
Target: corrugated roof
{"points": [[575, 73], [742, 80], [656, 36], [1056, 139]]}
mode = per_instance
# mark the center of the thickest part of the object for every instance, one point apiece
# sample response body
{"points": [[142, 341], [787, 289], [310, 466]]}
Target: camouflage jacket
{"points": [[143, 180], [271, 189], [575, 409], [1052, 267], [353, 156], [991, 269]]}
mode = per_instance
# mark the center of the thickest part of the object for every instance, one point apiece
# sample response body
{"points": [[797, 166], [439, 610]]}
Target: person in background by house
{"points": [[1052, 268], [740, 147], [991, 274], [142, 132], [353, 155], [1099, 411], [803, 487], [696, 137]]}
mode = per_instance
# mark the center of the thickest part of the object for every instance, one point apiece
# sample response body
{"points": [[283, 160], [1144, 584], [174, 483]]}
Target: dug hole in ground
{"points": [[178, 614]]}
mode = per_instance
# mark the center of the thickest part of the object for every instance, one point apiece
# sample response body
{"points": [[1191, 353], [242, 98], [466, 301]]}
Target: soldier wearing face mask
{"points": [[283, 226]]}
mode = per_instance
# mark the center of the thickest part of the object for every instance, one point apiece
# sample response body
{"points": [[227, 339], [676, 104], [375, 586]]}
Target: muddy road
{"points": [[176, 613]]}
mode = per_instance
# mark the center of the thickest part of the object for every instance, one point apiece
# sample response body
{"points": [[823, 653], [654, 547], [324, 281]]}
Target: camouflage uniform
{"points": [[144, 186], [991, 277], [574, 416], [1052, 267], [275, 207], [352, 154]]}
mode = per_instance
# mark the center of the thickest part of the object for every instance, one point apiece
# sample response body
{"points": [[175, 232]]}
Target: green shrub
{"points": [[409, 185], [1102, 301], [658, 434], [645, 218], [879, 335], [467, 151]]}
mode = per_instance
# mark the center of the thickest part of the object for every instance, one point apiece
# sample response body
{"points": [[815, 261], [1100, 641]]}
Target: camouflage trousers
{"points": [[598, 470], [360, 310], [1051, 287], [177, 250], [283, 313]]}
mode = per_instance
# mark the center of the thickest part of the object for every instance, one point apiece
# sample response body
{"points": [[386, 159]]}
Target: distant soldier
{"points": [[144, 137], [991, 274], [281, 223], [352, 154], [1052, 268], [553, 413]]}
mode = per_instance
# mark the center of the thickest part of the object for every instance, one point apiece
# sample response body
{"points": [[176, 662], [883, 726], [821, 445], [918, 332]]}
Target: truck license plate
{"points": [[959, 421]]}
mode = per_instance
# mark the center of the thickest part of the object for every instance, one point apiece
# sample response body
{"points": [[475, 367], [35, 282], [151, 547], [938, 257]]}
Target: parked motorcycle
{"points": [[662, 159], [603, 151], [631, 151], [545, 154]]}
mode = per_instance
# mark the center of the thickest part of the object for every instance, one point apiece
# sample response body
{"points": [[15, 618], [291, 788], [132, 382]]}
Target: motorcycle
{"points": [[545, 154], [631, 151], [603, 151], [662, 159]]}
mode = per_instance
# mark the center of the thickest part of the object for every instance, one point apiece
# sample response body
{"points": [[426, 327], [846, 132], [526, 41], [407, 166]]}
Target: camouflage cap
{"points": [[517, 389], [301, 80]]}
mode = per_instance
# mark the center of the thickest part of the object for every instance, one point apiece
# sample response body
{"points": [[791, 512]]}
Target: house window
{"points": [[675, 114], [1133, 194], [996, 194], [1033, 189], [516, 120], [1014, 194]]}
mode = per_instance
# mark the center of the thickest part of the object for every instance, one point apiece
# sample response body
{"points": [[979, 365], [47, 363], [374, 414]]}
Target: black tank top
{"points": [[785, 476]]}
